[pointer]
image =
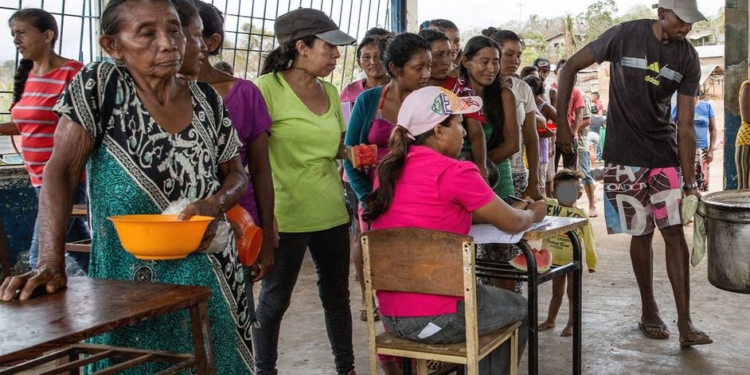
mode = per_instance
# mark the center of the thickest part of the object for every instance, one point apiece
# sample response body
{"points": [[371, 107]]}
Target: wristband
{"points": [[692, 185]]}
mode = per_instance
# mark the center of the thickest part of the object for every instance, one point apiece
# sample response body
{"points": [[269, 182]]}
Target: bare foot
{"points": [[567, 331], [545, 326], [592, 212]]}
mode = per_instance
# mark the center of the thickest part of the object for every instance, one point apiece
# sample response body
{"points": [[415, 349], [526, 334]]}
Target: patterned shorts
{"points": [[640, 199], [520, 182]]}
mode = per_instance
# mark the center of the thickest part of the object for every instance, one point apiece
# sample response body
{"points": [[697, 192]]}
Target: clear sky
{"points": [[469, 14]]}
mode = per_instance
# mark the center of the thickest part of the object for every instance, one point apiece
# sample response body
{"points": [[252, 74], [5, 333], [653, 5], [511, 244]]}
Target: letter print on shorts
{"points": [[640, 199]]}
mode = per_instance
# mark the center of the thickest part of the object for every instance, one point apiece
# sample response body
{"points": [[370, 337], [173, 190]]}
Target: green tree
{"points": [[247, 55], [636, 12], [598, 18], [535, 45], [714, 25], [569, 30]]}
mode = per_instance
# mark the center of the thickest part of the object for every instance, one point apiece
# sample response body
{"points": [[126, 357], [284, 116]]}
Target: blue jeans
{"points": [[584, 165], [78, 229], [496, 308], [330, 253]]}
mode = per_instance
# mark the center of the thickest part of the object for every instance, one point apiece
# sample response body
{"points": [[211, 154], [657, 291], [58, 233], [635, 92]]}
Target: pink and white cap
{"points": [[427, 107]]}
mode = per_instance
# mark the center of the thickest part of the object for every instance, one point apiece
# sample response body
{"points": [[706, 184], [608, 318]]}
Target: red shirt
{"points": [[462, 87], [576, 101], [34, 117]]}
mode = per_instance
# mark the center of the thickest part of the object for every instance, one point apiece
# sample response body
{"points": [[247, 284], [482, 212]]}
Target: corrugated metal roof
{"points": [[710, 51]]}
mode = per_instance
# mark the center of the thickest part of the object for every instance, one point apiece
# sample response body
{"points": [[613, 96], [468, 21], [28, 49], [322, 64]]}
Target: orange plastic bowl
{"points": [[159, 237], [248, 245]]}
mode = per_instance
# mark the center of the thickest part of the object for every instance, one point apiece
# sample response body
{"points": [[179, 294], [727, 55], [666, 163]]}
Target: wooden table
{"points": [[502, 270], [80, 210], [89, 307], [82, 246]]}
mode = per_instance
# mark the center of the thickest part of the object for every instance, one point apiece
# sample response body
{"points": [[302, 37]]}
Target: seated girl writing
{"points": [[420, 183]]}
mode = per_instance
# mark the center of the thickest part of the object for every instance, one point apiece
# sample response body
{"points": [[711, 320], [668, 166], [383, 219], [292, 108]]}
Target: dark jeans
{"points": [[496, 308], [330, 253], [78, 229], [248, 272], [570, 161]]}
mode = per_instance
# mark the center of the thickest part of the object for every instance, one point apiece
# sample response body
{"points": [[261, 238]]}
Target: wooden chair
{"points": [[430, 262]]}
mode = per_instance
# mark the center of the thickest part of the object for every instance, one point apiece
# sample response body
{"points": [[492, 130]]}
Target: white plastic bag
{"points": [[223, 230]]}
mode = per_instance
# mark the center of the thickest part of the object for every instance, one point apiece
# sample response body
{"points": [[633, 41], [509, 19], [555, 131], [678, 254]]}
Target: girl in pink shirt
{"points": [[420, 183]]}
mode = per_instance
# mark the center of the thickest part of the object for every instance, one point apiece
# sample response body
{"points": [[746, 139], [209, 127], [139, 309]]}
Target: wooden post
{"points": [[735, 51], [404, 16]]}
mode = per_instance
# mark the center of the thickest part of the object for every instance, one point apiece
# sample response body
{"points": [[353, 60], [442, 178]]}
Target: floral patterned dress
{"points": [[138, 168]]}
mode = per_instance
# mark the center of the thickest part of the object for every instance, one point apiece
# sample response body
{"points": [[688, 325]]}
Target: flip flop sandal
{"points": [[699, 338], [645, 326]]}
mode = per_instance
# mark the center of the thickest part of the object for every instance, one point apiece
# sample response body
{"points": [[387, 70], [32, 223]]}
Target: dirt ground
{"points": [[612, 343]]}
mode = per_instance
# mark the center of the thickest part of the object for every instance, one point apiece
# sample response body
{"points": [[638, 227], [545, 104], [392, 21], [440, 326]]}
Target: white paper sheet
{"points": [[486, 233]]}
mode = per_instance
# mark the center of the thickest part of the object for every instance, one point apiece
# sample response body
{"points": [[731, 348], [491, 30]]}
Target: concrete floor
{"points": [[612, 343]]}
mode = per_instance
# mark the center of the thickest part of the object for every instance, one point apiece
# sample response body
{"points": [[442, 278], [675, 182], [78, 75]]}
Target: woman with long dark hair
{"points": [[308, 129], [525, 180], [480, 69], [422, 159], [40, 79], [406, 58], [450, 29]]}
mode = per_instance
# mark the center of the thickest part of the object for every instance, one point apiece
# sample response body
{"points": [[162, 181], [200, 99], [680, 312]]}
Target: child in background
{"points": [[567, 189]]}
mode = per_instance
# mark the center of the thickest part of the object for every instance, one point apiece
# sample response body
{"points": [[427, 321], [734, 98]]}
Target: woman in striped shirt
{"points": [[40, 79]]}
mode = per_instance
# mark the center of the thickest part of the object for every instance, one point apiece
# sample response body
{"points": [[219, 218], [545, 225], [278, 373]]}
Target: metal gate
{"points": [[248, 26]]}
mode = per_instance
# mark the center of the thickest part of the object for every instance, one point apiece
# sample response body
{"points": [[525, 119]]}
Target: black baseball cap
{"points": [[542, 63], [303, 22]]}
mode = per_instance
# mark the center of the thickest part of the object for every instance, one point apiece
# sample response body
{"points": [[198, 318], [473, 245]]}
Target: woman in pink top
{"points": [[368, 59], [421, 184]]}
